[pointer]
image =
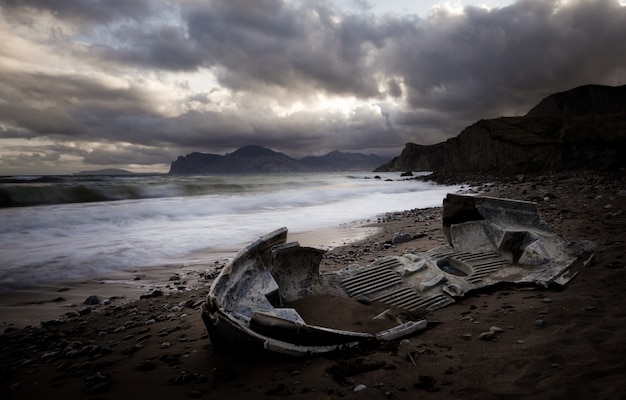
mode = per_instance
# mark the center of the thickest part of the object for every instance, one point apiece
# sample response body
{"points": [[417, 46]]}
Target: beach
{"points": [[147, 340]]}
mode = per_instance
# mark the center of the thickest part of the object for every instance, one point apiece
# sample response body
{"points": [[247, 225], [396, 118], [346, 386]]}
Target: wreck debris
{"points": [[490, 240]]}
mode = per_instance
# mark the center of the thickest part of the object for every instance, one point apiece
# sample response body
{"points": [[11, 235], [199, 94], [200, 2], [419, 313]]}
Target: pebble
{"points": [[401, 238], [93, 301], [360, 388], [496, 329], [487, 335], [540, 322]]}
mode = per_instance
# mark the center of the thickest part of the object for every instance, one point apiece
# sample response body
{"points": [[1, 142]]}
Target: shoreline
{"points": [[551, 344], [34, 305]]}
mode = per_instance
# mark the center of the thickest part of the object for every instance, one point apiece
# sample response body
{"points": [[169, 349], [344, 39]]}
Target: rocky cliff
{"points": [[415, 157], [583, 128]]}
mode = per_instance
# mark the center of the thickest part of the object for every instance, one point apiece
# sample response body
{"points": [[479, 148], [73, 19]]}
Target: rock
{"points": [[585, 247], [360, 388], [540, 322], [401, 238], [93, 300], [496, 329], [487, 335], [622, 193]]}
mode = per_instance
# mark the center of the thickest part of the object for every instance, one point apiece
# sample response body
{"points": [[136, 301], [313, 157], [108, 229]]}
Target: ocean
{"points": [[59, 228]]}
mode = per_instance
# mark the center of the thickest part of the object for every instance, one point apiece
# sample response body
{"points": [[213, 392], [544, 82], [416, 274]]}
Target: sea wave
{"points": [[45, 243]]}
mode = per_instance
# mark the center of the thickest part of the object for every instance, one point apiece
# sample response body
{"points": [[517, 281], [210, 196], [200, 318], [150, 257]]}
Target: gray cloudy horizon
{"points": [[133, 84]]}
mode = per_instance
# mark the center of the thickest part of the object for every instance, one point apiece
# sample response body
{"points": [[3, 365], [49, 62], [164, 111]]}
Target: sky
{"points": [[133, 84]]}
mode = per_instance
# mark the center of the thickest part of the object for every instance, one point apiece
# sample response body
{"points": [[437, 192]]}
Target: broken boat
{"points": [[258, 300]]}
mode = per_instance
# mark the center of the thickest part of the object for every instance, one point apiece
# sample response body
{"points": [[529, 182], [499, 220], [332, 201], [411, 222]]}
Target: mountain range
{"points": [[257, 159]]}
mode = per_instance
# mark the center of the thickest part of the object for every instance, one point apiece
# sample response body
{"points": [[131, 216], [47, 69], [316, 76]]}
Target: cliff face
{"points": [[583, 100], [584, 128], [504, 146], [415, 157]]}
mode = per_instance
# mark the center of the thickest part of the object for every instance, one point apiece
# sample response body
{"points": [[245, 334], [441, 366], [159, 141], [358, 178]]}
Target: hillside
{"points": [[583, 128]]}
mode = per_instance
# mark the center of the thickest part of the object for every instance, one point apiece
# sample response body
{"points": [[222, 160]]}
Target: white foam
{"points": [[44, 244]]}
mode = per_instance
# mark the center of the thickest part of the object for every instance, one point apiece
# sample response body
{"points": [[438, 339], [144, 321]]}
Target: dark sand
{"points": [[157, 347]]}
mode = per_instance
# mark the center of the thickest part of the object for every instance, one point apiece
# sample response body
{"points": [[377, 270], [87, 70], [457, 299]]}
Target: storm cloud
{"points": [[137, 83]]}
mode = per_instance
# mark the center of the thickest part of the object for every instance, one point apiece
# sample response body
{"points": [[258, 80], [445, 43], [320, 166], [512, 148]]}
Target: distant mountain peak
{"points": [[253, 151]]}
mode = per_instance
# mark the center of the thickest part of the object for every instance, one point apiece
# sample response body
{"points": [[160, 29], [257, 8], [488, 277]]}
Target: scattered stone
{"points": [[93, 300], [496, 329], [487, 335], [540, 322], [401, 238], [546, 300], [359, 388], [586, 247]]}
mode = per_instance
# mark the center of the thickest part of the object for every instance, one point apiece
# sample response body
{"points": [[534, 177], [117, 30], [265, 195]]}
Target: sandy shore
{"points": [[157, 347]]}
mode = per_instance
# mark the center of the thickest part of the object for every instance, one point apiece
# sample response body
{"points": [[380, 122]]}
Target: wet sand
{"points": [[32, 305], [551, 344]]}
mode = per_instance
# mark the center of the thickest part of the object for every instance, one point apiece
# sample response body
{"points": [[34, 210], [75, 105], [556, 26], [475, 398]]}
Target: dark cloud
{"points": [[492, 62], [87, 11], [120, 72]]}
